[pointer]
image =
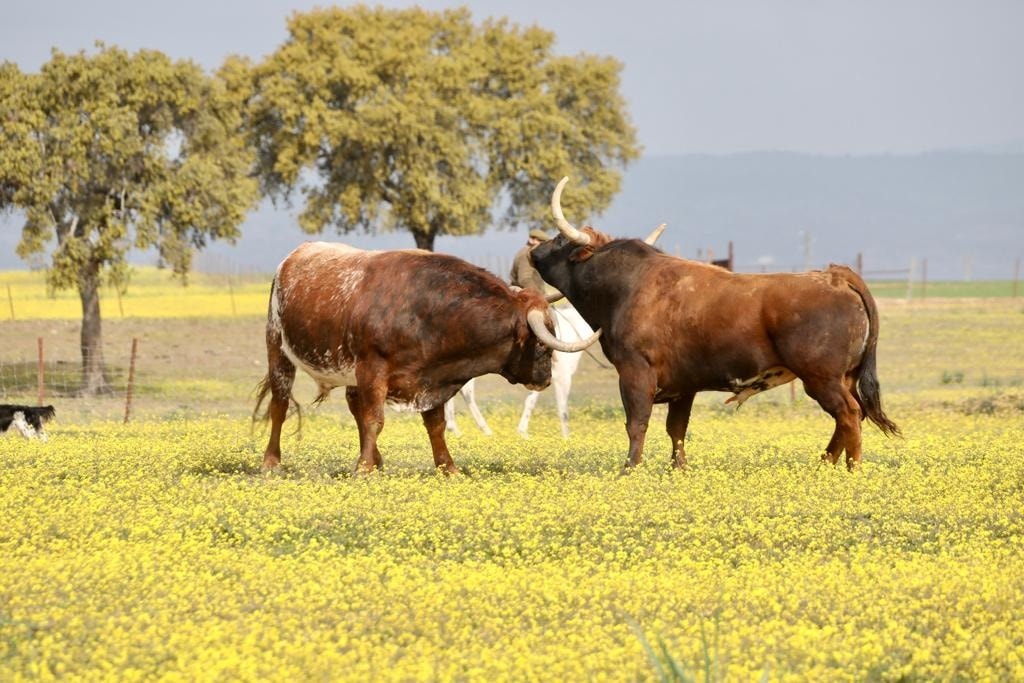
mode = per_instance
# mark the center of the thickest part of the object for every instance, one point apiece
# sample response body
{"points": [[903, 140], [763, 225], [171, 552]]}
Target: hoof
{"points": [[829, 459]]}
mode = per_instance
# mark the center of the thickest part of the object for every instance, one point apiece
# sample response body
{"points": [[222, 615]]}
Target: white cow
{"points": [[468, 392], [569, 326]]}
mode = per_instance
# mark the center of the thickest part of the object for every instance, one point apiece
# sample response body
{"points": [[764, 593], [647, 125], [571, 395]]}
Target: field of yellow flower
{"points": [[158, 549]]}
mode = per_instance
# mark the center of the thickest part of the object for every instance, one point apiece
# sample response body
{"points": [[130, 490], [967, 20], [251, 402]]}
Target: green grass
{"points": [[980, 289]]}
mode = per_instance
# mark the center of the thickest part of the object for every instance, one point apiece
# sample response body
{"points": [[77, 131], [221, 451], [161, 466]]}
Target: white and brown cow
{"points": [[403, 327]]}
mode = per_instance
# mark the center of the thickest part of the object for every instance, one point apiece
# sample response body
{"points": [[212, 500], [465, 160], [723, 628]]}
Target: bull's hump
{"points": [[323, 251]]}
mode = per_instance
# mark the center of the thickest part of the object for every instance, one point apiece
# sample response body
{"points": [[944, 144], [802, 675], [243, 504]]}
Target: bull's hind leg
{"points": [[368, 409], [636, 387], [836, 399], [675, 425], [352, 398], [433, 420], [281, 377]]}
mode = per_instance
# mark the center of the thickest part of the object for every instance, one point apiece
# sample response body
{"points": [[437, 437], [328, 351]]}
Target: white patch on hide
{"points": [[768, 379]]}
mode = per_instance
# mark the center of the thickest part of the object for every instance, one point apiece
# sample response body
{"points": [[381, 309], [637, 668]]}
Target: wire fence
{"points": [[171, 345]]}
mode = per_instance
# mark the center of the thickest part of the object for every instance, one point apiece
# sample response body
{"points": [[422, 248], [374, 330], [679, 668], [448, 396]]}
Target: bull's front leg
{"points": [[675, 425], [636, 386], [433, 420]]}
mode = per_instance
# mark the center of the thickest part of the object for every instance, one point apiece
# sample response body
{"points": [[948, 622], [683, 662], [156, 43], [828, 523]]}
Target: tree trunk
{"points": [[424, 240], [94, 379]]}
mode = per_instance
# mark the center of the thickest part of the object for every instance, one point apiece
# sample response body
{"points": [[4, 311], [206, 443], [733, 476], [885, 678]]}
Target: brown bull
{"points": [[673, 327], [404, 327]]}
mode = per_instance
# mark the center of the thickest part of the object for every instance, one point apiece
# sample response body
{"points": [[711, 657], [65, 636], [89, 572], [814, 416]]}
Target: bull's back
{"points": [[334, 304], [689, 314]]}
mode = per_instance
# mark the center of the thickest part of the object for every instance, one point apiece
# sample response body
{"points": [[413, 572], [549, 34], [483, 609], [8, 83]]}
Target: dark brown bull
{"points": [[674, 327], [404, 327]]}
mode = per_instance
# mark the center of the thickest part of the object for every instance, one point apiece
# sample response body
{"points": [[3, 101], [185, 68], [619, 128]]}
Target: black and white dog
{"points": [[27, 419]]}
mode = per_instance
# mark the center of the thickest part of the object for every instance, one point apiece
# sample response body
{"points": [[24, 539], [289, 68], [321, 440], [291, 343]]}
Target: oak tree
{"points": [[428, 122], [111, 151]]}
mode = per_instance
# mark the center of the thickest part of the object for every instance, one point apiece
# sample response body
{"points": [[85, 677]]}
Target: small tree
{"points": [[430, 122], [111, 151]]}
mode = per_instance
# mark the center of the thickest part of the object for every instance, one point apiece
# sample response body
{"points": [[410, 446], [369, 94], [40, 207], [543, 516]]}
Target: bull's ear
{"points": [[520, 329], [581, 254]]}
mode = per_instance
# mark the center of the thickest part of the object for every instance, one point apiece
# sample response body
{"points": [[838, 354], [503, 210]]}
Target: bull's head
{"points": [[554, 258], [529, 362]]}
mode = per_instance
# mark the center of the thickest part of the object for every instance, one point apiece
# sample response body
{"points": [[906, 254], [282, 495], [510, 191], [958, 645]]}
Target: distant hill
{"points": [[945, 207], [957, 209]]}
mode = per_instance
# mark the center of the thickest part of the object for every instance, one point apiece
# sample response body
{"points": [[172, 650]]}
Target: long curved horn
{"points": [[535, 318], [552, 298], [564, 226], [655, 234]]}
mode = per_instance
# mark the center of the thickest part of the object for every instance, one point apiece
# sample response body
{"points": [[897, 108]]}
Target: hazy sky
{"points": [[857, 77]]}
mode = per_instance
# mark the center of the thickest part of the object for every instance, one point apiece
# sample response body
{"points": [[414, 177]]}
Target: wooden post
{"points": [[924, 278], [39, 372], [910, 279], [131, 381], [732, 265], [860, 264], [10, 300], [1016, 275]]}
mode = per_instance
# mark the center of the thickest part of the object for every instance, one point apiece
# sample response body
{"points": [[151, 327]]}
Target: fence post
{"points": [[10, 300], [1016, 275], [910, 279], [860, 264], [131, 381], [39, 372], [924, 278]]}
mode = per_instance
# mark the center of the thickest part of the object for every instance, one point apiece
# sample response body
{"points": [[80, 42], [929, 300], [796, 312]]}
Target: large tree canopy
{"points": [[110, 151], [426, 122]]}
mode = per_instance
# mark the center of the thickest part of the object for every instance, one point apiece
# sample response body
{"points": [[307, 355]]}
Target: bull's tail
{"points": [[867, 390], [264, 388]]}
